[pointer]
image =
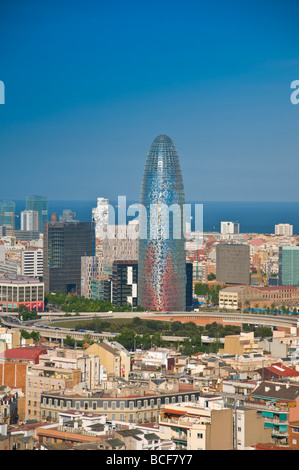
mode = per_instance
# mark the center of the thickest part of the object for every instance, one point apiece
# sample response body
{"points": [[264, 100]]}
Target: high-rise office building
{"points": [[64, 245], [162, 259], [289, 266], [89, 270], [29, 220], [233, 264], [40, 205], [189, 286], [7, 212], [100, 216], [68, 216], [124, 283]]}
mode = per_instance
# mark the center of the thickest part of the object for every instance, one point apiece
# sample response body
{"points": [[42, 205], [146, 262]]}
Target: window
{"points": [[199, 435]]}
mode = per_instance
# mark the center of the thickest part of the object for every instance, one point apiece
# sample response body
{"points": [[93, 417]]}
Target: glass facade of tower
{"points": [[162, 259], [7, 211], [40, 205], [65, 243], [289, 266]]}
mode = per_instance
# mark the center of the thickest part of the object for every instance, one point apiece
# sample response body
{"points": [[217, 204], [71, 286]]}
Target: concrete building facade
{"points": [[233, 264]]}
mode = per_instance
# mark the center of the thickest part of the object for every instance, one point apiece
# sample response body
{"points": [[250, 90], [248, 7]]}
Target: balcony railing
{"points": [[184, 422]]}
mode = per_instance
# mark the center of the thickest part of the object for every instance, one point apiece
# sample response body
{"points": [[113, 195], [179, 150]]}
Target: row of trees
{"points": [[72, 303], [140, 333]]}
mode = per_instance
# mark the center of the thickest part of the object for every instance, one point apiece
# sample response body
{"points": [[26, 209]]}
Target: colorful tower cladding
{"points": [[162, 259]]}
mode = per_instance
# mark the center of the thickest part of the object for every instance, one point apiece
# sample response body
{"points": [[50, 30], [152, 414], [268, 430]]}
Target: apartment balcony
{"points": [[184, 422], [76, 430], [279, 433], [276, 421], [265, 406]]}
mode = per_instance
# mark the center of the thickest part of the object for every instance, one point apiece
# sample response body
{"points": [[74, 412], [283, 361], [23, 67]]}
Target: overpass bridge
{"points": [[289, 323], [280, 321]]}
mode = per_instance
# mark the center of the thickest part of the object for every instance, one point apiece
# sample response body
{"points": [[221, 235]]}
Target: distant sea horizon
{"points": [[253, 217]]}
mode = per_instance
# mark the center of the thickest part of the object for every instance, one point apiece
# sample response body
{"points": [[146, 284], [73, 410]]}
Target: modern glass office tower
{"points": [[289, 266], [162, 259], [65, 243], [7, 212], [40, 205]]}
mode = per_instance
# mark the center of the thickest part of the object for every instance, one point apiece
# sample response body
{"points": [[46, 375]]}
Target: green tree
{"points": [[68, 341], [35, 336], [88, 339], [127, 339]]}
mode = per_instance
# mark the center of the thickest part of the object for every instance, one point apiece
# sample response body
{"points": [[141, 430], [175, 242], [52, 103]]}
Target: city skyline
{"points": [[101, 81]]}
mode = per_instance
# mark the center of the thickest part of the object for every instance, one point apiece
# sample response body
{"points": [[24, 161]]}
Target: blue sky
{"points": [[90, 84]]}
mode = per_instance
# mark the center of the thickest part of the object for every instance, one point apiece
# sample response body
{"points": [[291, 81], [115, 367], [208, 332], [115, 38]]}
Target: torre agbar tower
{"points": [[162, 259]]}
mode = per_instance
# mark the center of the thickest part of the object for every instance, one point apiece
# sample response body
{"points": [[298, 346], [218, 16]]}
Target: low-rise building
{"points": [[206, 425], [8, 405], [277, 402], [114, 358], [244, 343], [131, 404], [58, 370], [20, 290], [13, 365], [243, 297]]}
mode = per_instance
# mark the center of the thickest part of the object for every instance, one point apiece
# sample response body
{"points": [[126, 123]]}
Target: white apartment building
{"points": [[284, 229], [229, 228], [32, 263]]}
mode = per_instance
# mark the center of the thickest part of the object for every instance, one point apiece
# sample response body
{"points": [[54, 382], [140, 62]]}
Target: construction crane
{"points": [[12, 215]]}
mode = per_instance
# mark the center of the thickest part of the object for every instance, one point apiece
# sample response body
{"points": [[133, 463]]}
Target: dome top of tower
{"points": [[163, 139]]}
